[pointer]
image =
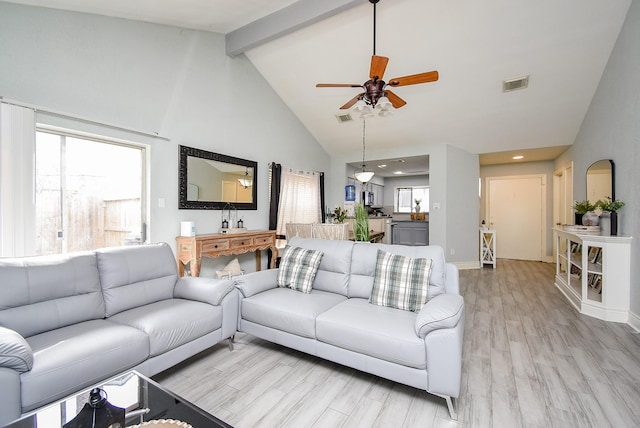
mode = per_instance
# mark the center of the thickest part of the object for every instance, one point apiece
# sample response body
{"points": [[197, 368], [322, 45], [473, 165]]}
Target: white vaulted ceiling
{"points": [[563, 45]]}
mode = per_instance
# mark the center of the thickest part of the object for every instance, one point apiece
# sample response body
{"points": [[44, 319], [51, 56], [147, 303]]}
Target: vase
{"points": [[417, 208], [590, 219], [614, 223], [605, 223]]}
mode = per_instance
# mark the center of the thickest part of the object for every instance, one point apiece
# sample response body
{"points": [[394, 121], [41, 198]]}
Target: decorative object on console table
{"points": [[609, 215], [191, 250], [417, 201], [590, 218], [581, 208]]}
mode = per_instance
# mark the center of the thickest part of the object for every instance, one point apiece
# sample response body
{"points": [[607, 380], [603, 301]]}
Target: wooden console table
{"points": [[191, 249]]}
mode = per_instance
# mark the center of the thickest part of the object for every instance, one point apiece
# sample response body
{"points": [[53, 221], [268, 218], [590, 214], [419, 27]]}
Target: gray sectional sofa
{"points": [[335, 321], [70, 321]]}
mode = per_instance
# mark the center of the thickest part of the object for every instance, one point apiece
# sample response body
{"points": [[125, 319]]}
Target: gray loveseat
{"points": [[70, 321], [335, 321]]}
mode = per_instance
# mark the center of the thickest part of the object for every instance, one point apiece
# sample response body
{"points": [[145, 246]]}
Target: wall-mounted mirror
{"points": [[209, 181], [600, 181]]}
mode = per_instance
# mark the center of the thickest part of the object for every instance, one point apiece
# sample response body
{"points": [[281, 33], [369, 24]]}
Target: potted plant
{"points": [[609, 216], [581, 208], [339, 214], [417, 201], [361, 226]]}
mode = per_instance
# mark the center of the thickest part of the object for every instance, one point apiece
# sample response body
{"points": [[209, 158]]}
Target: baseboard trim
{"points": [[634, 321], [467, 265]]}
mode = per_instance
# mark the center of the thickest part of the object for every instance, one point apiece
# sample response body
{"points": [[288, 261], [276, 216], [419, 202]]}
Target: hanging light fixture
{"points": [[363, 176], [246, 180]]}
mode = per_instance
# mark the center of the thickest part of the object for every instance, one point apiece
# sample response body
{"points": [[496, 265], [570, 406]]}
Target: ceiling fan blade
{"points": [[338, 85], [414, 79], [395, 100], [352, 101], [378, 66]]}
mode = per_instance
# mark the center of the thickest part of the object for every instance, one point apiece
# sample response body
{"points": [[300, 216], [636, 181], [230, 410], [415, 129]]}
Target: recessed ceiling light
{"points": [[384, 165], [398, 172], [518, 157]]}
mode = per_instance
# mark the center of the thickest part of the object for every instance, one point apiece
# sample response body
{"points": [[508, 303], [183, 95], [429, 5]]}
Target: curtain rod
{"points": [[81, 119], [298, 170]]}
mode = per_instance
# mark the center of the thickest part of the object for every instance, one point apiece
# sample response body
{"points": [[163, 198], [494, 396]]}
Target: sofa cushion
{"points": [[400, 282], [298, 268], [77, 356], [335, 267], [15, 352], [377, 331], [171, 323], [135, 276], [363, 266], [288, 310], [42, 293]]}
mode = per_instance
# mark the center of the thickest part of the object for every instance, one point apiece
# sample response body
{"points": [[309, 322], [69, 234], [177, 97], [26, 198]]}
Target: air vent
{"points": [[515, 84], [344, 117]]}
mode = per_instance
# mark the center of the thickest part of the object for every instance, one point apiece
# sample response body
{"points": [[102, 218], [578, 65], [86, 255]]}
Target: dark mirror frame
{"points": [[613, 178], [184, 203]]}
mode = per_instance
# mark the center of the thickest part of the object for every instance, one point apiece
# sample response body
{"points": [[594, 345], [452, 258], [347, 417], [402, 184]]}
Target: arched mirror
{"points": [[600, 181]]}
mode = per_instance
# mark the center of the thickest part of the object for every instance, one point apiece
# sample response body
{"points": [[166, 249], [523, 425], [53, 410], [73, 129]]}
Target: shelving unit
{"points": [[487, 247], [593, 272]]}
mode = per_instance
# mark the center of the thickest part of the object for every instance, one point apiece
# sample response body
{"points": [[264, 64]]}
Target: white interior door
{"points": [[516, 207]]}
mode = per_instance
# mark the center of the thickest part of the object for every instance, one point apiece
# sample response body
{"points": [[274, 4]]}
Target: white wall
{"points": [[176, 82], [611, 130]]}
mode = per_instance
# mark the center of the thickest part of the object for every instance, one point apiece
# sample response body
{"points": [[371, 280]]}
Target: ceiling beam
{"points": [[285, 21]]}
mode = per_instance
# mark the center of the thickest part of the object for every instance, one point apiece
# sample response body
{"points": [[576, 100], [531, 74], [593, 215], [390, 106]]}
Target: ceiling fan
{"points": [[375, 88]]}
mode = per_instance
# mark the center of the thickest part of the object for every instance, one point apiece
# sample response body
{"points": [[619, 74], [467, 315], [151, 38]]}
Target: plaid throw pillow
{"points": [[400, 282], [298, 267]]}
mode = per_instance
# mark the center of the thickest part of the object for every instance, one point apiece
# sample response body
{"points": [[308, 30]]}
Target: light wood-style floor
{"points": [[529, 359]]}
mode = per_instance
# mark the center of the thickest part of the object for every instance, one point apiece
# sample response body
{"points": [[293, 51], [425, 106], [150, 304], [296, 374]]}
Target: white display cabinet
{"points": [[594, 273], [487, 247]]}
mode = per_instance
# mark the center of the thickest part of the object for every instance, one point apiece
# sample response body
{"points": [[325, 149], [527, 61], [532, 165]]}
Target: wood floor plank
{"points": [[529, 359]]}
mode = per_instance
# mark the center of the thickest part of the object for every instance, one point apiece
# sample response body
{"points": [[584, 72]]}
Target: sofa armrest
{"points": [[443, 311], [257, 282], [205, 290], [15, 352]]}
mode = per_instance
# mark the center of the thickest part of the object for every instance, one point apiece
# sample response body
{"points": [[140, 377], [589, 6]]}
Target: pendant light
{"points": [[246, 180], [363, 176]]}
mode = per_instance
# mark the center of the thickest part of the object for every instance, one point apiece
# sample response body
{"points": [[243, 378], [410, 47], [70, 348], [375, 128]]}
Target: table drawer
{"points": [[241, 242], [266, 239], [213, 246]]}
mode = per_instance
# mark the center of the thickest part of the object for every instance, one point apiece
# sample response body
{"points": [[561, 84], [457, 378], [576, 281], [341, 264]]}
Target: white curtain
{"points": [[17, 164], [299, 198]]}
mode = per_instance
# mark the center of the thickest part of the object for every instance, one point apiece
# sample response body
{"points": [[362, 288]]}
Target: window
{"points": [[299, 199], [89, 193], [405, 199]]}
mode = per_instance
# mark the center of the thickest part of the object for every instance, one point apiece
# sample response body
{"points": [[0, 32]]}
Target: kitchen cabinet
{"points": [[411, 233]]}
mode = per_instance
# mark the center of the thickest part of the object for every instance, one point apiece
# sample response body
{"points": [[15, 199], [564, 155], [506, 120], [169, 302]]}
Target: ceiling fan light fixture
{"points": [[383, 103], [360, 105]]}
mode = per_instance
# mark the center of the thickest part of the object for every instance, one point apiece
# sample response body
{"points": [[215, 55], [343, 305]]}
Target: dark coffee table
{"points": [[131, 391]]}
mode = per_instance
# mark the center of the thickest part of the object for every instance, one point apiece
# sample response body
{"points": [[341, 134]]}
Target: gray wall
{"points": [[453, 183], [611, 130], [525, 168], [173, 81]]}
